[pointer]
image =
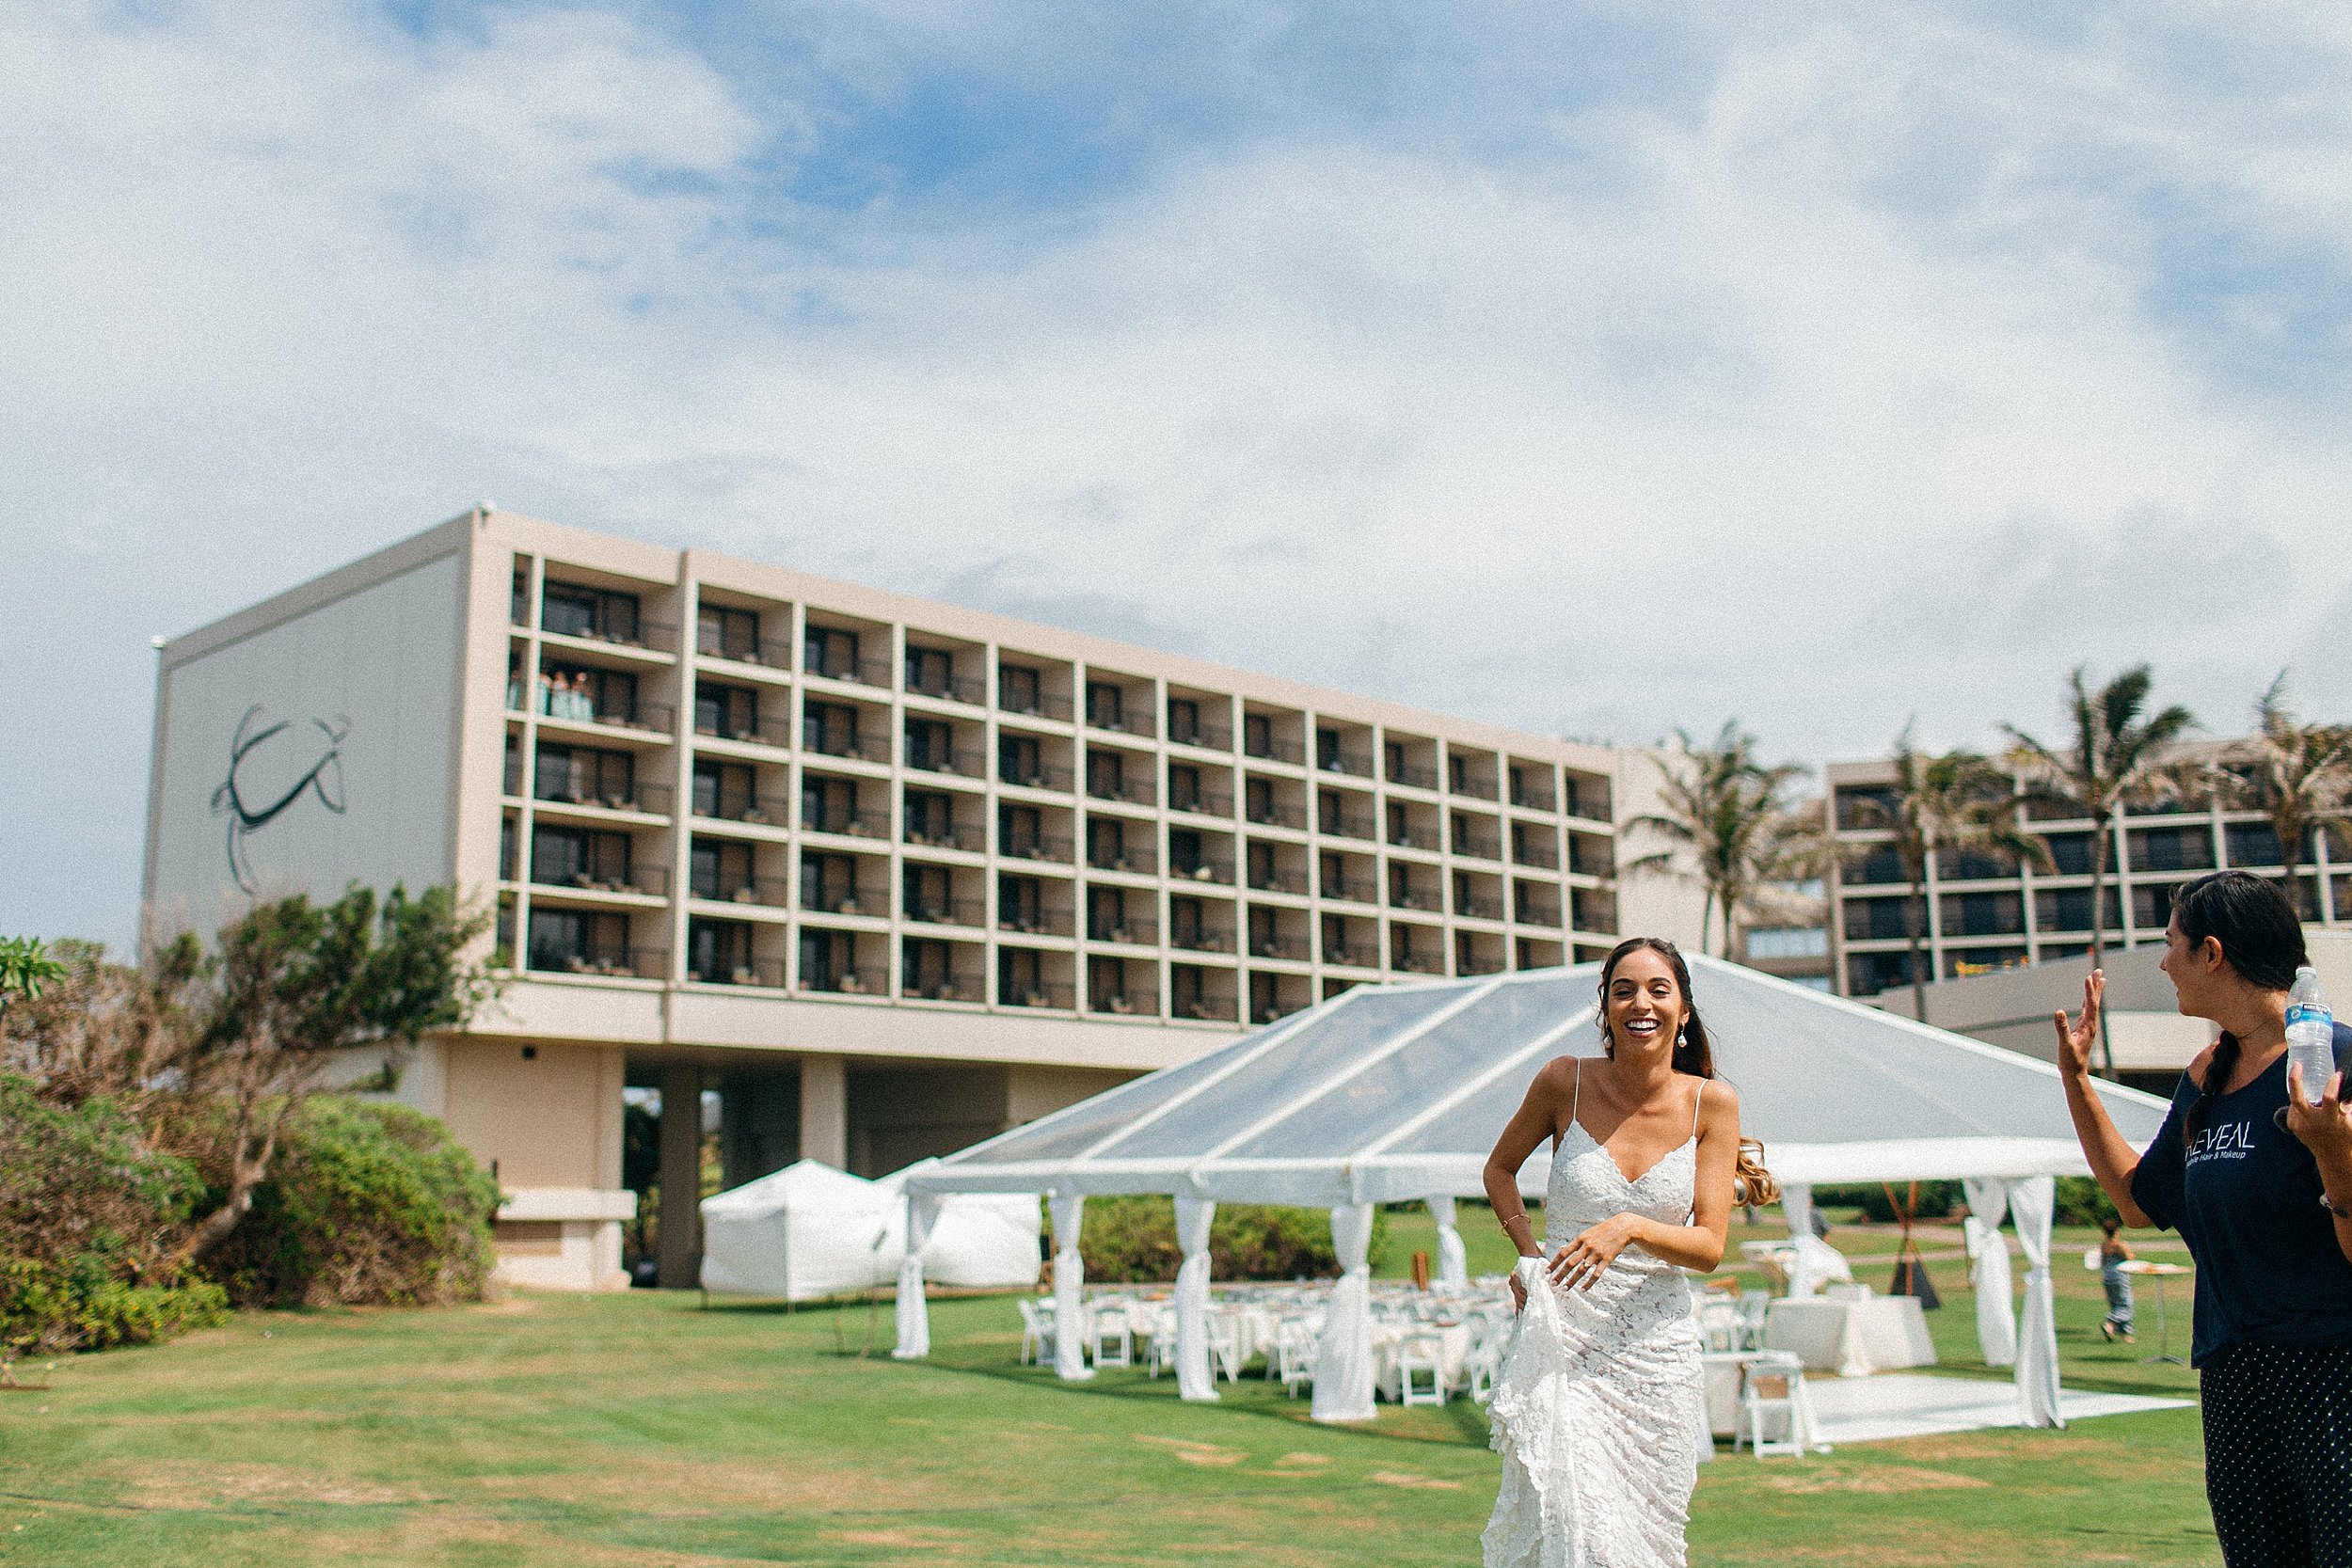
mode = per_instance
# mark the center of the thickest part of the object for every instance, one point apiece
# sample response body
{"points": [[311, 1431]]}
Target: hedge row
{"points": [[1133, 1240]]}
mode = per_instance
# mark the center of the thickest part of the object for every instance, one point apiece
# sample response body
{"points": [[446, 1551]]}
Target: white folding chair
{"points": [[1754, 1308], [1160, 1352], [1720, 1325], [1774, 1388], [1036, 1332], [1114, 1343], [1421, 1370], [1224, 1348], [1294, 1354], [1484, 1362]]}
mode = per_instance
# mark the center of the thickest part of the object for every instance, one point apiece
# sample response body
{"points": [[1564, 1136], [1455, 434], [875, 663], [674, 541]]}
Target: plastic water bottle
{"points": [[2310, 1034]]}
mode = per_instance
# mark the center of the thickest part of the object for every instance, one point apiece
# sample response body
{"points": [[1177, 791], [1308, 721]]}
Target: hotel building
{"points": [[887, 874], [1986, 913]]}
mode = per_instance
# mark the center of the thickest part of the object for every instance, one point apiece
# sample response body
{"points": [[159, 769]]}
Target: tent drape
{"points": [[2031, 1200], [1344, 1360], [1195, 1379], [1453, 1260], [1069, 1329], [1996, 1305], [915, 1317], [1796, 1203]]}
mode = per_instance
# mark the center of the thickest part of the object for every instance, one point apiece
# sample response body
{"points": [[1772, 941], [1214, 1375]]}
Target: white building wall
{"points": [[308, 752]]}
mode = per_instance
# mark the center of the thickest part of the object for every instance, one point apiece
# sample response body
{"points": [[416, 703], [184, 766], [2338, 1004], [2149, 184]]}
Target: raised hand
{"points": [[2324, 1128], [2077, 1038]]}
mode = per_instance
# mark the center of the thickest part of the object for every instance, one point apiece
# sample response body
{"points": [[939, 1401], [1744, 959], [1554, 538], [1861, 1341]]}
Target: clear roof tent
{"points": [[1397, 1092]]}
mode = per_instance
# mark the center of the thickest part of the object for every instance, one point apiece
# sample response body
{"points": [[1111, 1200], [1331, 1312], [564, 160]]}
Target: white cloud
{"points": [[1837, 389]]}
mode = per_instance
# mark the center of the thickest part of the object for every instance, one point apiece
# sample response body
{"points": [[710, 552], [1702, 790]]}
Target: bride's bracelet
{"points": [[1508, 1220]]}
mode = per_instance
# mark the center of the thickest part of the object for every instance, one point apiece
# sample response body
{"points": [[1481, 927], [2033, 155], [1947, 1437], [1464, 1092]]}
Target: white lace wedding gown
{"points": [[1598, 1407]]}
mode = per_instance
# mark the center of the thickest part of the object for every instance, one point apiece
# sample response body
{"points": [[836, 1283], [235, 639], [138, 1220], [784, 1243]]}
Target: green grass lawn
{"points": [[638, 1429]]}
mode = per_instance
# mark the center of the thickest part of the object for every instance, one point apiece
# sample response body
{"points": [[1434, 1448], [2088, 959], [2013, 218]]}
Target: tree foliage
{"points": [[1731, 817], [2297, 775], [2118, 757], [1953, 803]]}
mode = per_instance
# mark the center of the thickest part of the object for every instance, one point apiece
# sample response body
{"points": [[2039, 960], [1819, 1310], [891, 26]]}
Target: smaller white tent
{"points": [[809, 1232]]}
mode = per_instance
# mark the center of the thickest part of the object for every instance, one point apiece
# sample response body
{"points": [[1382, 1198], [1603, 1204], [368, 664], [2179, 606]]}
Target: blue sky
{"points": [[1595, 369]]}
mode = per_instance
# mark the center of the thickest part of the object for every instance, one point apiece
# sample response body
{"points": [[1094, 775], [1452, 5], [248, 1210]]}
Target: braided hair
{"points": [[2260, 940]]}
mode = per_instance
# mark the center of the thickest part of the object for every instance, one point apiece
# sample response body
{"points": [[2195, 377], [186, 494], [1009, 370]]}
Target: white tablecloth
{"points": [[1453, 1343], [1852, 1339]]}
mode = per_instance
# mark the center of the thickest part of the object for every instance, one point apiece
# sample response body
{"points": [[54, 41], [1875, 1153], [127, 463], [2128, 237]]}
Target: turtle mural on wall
{"points": [[270, 768]]}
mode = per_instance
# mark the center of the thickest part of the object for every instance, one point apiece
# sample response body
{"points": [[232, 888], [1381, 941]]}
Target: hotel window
{"points": [[569, 610], [1183, 721], [1017, 689], [723, 789], [727, 633], [830, 652]]}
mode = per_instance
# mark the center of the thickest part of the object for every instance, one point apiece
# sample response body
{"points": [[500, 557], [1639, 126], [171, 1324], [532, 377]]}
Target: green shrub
{"points": [[90, 1210], [1133, 1238], [365, 1205], [2081, 1201]]}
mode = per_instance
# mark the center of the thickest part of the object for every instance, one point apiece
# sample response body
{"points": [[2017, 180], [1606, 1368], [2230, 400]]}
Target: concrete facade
{"points": [[885, 875]]}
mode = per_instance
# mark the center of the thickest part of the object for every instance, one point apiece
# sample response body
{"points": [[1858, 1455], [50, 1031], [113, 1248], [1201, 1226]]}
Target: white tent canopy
{"points": [[1397, 1093], [808, 1231]]}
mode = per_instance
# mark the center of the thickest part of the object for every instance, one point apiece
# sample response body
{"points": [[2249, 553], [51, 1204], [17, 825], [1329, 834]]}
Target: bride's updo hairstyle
{"points": [[1752, 1185]]}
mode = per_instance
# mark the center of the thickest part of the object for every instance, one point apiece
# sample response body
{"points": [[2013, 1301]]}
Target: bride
{"points": [[1599, 1410]]}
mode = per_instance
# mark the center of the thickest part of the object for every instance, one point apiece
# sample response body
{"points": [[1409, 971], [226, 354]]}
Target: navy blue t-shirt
{"points": [[2246, 1199]]}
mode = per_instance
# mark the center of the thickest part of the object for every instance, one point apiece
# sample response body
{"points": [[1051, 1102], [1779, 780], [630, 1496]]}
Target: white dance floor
{"points": [[1910, 1404]]}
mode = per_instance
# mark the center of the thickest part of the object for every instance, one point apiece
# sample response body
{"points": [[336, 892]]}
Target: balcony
{"points": [[963, 837], [1477, 845], [1217, 872], [1354, 889], [856, 981], [1040, 704], [1423, 839], [958, 762], [1202, 737], [1419, 963], [1130, 861], [1478, 906], [1412, 775], [768, 729], [968, 690], [947, 911], [1043, 775], [1415, 898], [853, 671], [860, 903], [1288, 949], [771, 653], [847, 824], [1042, 849], [1036, 923], [656, 637], [773, 893], [1278, 880], [1347, 956], [1135, 792], [1127, 721], [1531, 799], [1132, 931], [953, 988], [1533, 911], [1352, 765], [1347, 824], [651, 882], [637, 964], [647, 719], [1277, 814], [1054, 995], [747, 971], [1134, 1002], [651, 799], [1271, 749], [1206, 803], [855, 748]]}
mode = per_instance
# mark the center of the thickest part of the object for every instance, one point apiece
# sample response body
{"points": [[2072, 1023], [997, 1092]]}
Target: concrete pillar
{"points": [[825, 1111], [681, 1239]]}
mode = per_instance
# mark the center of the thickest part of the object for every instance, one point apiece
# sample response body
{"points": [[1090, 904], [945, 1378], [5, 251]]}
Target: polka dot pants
{"points": [[2278, 1455]]}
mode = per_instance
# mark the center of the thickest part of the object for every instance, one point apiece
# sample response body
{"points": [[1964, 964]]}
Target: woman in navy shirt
{"points": [[2259, 1184]]}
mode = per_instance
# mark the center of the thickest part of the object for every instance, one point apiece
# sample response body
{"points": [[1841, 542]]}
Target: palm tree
{"points": [[2299, 775], [1953, 803], [2117, 756], [25, 966], [1730, 813]]}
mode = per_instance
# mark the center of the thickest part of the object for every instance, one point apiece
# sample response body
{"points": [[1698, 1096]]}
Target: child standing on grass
{"points": [[2114, 1252]]}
